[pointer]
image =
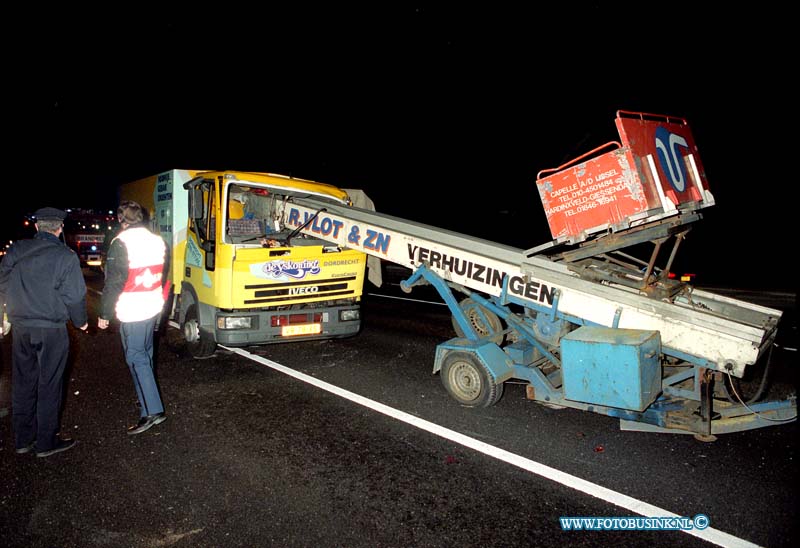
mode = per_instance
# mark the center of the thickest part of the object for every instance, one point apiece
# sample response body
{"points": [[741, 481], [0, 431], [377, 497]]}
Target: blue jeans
{"points": [[137, 343]]}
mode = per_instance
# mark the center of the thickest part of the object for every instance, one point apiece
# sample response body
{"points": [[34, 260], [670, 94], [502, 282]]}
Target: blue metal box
{"points": [[613, 367]]}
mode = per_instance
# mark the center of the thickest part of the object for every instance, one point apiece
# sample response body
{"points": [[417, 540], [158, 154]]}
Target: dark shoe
{"points": [[27, 449], [61, 445], [145, 423]]}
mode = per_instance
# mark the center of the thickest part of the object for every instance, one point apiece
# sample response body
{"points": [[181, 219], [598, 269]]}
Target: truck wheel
{"points": [[468, 381], [197, 347], [470, 309]]}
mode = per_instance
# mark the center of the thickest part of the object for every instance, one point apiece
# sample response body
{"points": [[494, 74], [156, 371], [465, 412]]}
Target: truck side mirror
{"points": [[196, 203], [195, 189]]}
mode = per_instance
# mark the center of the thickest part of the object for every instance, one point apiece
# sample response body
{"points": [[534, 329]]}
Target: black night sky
{"points": [[443, 114]]}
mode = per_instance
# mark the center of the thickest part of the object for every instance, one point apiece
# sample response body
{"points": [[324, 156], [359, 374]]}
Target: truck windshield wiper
{"points": [[297, 230]]}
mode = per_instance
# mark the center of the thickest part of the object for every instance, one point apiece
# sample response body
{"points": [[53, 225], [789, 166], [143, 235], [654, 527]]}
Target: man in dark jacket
{"points": [[42, 287]]}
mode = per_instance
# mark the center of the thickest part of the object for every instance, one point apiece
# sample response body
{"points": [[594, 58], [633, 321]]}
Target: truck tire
{"points": [[470, 309], [199, 348], [468, 381]]}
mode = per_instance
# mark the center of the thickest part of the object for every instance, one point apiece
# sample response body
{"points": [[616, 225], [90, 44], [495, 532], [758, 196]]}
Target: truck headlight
{"points": [[349, 315], [235, 322]]}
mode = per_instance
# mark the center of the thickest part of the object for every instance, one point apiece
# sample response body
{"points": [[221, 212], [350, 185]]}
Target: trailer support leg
{"points": [[706, 410]]}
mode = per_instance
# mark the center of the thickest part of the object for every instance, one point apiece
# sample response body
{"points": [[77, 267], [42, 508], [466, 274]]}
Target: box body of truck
{"points": [[239, 276]]}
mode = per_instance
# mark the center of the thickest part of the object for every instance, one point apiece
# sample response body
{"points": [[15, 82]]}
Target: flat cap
{"points": [[50, 213]]}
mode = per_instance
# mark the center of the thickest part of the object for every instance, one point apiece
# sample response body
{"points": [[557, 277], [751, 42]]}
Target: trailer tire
{"points": [[470, 309], [198, 347], [468, 381]]}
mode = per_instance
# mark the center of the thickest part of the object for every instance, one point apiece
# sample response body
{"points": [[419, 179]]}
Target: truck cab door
{"points": [[203, 222]]}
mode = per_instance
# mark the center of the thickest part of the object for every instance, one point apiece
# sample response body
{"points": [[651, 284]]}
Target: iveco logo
{"points": [[303, 290]]}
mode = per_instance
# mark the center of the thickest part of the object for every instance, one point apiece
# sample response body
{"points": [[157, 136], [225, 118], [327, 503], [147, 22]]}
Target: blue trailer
{"points": [[580, 320]]}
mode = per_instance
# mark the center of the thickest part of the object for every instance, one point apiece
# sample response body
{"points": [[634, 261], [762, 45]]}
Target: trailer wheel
{"points": [[468, 381], [474, 317], [199, 348]]}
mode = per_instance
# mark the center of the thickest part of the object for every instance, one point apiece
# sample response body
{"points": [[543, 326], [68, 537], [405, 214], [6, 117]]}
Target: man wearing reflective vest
{"points": [[134, 276]]}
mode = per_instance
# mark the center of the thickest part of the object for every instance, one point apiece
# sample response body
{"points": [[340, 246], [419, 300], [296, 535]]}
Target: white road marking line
{"points": [[715, 536], [406, 299]]}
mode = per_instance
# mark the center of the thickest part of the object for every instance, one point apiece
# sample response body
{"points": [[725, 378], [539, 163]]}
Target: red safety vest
{"points": [[142, 297]]}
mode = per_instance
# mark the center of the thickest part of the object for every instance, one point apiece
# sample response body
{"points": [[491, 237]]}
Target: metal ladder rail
{"points": [[726, 340]]}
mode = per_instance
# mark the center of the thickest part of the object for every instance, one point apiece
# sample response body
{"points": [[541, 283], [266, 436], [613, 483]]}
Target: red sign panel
{"points": [[653, 172]]}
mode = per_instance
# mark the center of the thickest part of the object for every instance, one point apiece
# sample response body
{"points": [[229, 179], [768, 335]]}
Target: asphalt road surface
{"points": [[256, 455]]}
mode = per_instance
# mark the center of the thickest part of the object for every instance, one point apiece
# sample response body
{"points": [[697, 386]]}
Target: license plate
{"points": [[303, 329]]}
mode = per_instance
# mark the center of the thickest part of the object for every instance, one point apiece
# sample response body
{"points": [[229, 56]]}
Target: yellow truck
{"points": [[240, 275]]}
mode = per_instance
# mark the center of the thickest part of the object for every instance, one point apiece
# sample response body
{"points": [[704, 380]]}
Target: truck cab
{"points": [[239, 275]]}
